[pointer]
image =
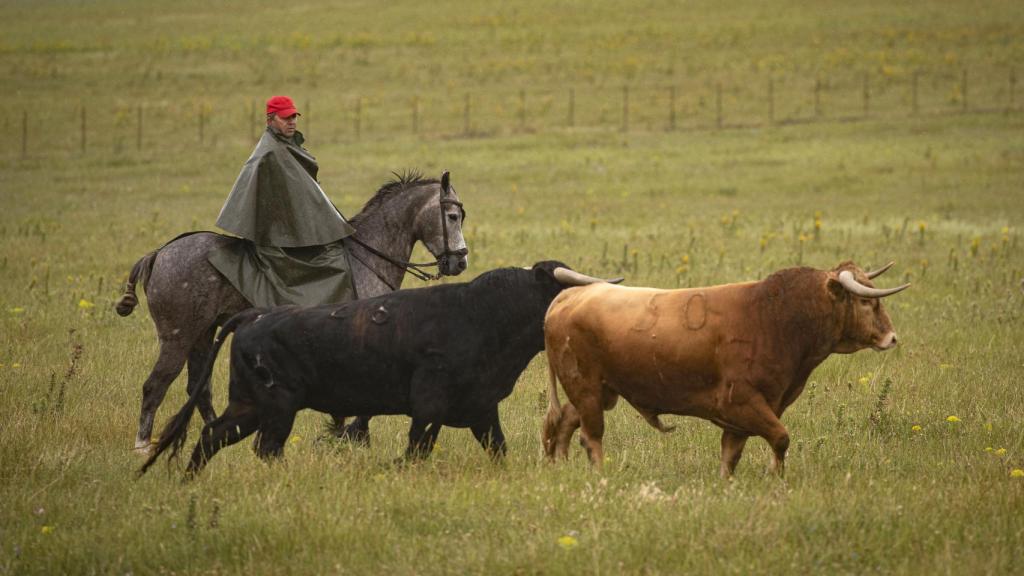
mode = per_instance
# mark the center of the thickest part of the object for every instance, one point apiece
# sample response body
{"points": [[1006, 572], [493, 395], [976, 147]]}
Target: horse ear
{"points": [[445, 182]]}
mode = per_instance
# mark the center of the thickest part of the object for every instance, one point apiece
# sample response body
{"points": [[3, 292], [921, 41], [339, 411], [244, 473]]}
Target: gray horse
{"points": [[188, 298]]}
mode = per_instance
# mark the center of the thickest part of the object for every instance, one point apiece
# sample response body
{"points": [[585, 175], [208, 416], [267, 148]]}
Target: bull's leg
{"points": [[758, 418], [429, 401], [567, 426], [592, 429], [488, 433], [357, 431], [421, 439], [732, 449], [197, 358], [237, 422], [274, 430], [168, 365]]}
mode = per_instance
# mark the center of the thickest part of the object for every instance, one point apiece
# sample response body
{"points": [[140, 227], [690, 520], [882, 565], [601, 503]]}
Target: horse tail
{"points": [[140, 272], [175, 432]]}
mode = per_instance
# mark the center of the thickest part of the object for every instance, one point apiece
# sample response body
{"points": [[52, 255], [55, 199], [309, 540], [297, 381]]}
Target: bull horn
{"points": [[871, 275], [573, 278], [850, 283]]}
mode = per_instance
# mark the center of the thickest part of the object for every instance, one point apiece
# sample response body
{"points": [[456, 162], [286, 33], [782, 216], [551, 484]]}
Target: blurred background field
{"points": [[572, 147]]}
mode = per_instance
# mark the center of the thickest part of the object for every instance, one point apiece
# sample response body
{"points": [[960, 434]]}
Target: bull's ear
{"points": [[445, 182], [542, 274], [835, 289]]}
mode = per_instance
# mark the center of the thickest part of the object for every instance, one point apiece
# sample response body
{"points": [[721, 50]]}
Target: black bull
{"points": [[444, 355]]}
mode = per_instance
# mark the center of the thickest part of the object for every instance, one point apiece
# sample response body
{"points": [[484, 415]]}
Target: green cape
{"points": [[294, 253], [276, 200]]}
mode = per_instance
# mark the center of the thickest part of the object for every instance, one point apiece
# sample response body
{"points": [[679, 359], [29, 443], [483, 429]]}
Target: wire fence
{"points": [[709, 104]]}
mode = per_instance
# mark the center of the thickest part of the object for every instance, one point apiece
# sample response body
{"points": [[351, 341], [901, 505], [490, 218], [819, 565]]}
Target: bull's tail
{"points": [[175, 432], [554, 415], [140, 272]]}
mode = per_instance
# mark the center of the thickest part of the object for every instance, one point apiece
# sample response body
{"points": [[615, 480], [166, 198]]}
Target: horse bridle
{"points": [[417, 269]]}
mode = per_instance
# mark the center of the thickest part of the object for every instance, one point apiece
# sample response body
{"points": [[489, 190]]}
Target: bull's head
{"points": [[863, 320], [564, 276]]}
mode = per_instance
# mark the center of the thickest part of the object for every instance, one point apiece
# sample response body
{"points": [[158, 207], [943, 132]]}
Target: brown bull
{"points": [[737, 354]]}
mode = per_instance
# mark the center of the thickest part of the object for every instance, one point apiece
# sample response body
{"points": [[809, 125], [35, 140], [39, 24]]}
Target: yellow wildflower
{"points": [[916, 428], [988, 448], [945, 366], [16, 310], [85, 304], [16, 365], [568, 542], [1001, 452], [863, 380], [295, 439], [46, 529], [1017, 473], [952, 419]]}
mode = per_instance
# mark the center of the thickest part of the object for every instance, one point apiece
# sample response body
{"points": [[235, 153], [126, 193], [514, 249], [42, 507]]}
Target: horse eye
{"points": [[453, 217]]}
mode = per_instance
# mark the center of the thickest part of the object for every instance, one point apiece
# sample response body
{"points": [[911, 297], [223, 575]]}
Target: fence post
{"points": [[83, 129], [625, 108], [913, 93], [522, 110], [672, 108], [1013, 87], [718, 105], [817, 97], [138, 133], [572, 107], [465, 115], [867, 96], [415, 114], [963, 88], [359, 117], [24, 134], [771, 101]]}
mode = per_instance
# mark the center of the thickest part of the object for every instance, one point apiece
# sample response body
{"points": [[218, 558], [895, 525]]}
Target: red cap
{"points": [[282, 106]]}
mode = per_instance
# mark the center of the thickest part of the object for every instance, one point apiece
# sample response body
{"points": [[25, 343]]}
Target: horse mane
{"points": [[401, 183]]}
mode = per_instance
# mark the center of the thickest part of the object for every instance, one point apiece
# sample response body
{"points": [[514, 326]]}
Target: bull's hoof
{"points": [[354, 435], [142, 449], [350, 433]]}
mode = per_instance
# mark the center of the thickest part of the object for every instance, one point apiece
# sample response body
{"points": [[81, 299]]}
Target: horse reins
{"points": [[417, 269]]}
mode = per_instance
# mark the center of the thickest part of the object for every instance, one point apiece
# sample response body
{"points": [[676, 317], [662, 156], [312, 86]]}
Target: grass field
{"points": [[902, 462]]}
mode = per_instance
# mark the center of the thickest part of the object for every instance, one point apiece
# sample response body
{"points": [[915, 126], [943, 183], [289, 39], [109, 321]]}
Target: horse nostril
{"points": [[894, 339], [461, 265]]}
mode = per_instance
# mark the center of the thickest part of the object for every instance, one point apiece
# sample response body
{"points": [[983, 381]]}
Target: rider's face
{"points": [[286, 126]]}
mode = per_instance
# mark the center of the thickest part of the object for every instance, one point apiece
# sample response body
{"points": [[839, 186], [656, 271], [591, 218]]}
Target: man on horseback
{"points": [[295, 254]]}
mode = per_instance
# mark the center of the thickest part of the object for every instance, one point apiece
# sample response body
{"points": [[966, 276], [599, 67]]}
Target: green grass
{"points": [[939, 193]]}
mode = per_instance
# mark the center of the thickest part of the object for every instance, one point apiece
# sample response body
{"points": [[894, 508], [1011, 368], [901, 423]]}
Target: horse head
{"points": [[441, 222]]}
